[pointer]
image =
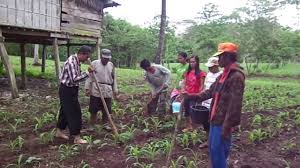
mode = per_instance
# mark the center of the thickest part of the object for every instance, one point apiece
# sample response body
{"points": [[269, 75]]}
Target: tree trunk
{"points": [[36, 55], [162, 34]]}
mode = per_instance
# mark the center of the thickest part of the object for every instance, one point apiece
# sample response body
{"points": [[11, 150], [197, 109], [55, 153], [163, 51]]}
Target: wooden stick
{"points": [[173, 142], [114, 128]]}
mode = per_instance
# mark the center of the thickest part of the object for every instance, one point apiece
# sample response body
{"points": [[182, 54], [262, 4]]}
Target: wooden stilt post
{"points": [[99, 41], [23, 66], [8, 67], [56, 56], [44, 52]]}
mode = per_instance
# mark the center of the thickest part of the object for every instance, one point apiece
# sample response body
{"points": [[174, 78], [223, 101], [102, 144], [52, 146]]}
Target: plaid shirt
{"points": [[71, 74]]}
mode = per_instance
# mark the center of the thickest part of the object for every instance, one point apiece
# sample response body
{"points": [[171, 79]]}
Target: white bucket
{"points": [[176, 107]]}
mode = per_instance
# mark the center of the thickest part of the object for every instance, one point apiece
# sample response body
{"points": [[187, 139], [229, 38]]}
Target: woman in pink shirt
{"points": [[193, 84]]}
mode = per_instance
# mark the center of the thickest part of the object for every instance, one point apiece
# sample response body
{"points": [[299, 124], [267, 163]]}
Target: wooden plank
{"points": [[44, 53], [75, 31], [36, 6], [43, 6], [28, 19], [36, 20], [9, 69], [28, 6], [56, 57], [12, 16], [3, 3], [23, 66], [42, 21], [82, 13], [20, 5], [85, 28], [20, 17], [71, 5], [3, 14], [91, 24], [11, 4]]}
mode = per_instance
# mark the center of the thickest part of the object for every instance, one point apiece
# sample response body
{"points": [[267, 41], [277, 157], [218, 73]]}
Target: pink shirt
{"points": [[193, 82]]}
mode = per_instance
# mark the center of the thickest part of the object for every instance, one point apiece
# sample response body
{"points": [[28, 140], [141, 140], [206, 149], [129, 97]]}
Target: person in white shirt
{"points": [[106, 78], [212, 75]]}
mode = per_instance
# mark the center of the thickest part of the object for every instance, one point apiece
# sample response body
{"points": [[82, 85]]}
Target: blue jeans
{"points": [[219, 148]]}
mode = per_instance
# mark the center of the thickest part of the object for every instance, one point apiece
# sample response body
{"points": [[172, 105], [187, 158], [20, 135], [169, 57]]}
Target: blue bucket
{"points": [[176, 107]]}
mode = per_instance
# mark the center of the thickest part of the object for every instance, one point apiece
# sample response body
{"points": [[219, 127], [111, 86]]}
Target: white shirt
{"points": [[209, 80], [104, 75]]}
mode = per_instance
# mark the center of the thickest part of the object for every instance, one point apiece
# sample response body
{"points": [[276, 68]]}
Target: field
{"points": [[268, 136]]}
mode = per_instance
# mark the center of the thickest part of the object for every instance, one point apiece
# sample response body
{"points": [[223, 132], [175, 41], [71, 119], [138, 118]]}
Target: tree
{"points": [[36, 55], [161, 44]]}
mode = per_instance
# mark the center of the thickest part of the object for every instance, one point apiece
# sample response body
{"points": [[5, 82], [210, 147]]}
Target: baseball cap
{"points": [[213, 61], [106, 53], [226, 47]]}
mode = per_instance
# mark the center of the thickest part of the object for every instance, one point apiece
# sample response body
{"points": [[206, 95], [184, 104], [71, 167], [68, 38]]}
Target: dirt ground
{"points": [[41, 96]]}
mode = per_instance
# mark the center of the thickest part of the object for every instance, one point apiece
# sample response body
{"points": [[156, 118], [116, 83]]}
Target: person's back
{"points": [[159, 77]]}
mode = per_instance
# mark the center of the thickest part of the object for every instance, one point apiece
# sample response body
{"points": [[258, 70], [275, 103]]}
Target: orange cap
{"points": [[226, 47]]}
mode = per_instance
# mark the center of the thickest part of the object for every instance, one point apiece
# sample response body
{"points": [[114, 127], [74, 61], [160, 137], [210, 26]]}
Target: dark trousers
{"points": [[158, 104], [70, 111], [97, 105]]}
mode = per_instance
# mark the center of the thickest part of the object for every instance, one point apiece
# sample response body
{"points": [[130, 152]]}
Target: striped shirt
{"points": [[71, 74]]}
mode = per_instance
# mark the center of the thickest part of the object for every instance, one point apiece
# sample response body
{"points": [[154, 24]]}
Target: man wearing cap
{"points": [[106, 77], [70, 111], [227, 97]]}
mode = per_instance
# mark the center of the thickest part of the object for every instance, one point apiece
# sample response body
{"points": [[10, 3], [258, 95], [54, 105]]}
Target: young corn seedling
{"points": [[89, 140], [184, 140], [134, 152], [257, 135], [19, 164], [47, 137], [156, 123], [150, 151], [14, 127], [67, 151], [17, 144]]}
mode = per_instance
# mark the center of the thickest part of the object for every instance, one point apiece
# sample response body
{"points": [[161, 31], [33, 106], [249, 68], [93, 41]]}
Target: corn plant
{"points": [[5, 116], [89, 140], [150, 151], [183, 162], [257, 135], [47, 137], [126, 136], [184, 140], [257, 120], [134, 152], [14, 126], [16, 144], [45, 119], [67, 151], [162, 145], [19, 163], [83, 164], [156, 123], [146, 126]]}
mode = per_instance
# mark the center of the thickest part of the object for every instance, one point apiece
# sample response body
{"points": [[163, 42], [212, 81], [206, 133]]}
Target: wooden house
{"points": [[48, 22]]}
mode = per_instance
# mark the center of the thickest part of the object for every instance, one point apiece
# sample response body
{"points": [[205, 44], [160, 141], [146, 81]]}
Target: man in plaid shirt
{"points": [[70, 111]]}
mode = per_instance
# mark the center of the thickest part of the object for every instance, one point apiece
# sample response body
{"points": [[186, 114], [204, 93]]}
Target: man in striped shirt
{"points": [[70, 111]]}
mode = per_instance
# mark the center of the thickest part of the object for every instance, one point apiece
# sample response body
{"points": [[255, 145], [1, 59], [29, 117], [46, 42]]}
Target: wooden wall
{"points": [[80, 20], [35, 14]]}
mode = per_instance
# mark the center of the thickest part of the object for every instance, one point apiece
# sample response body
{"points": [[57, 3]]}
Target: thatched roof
{"points": [[96, 4]]}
